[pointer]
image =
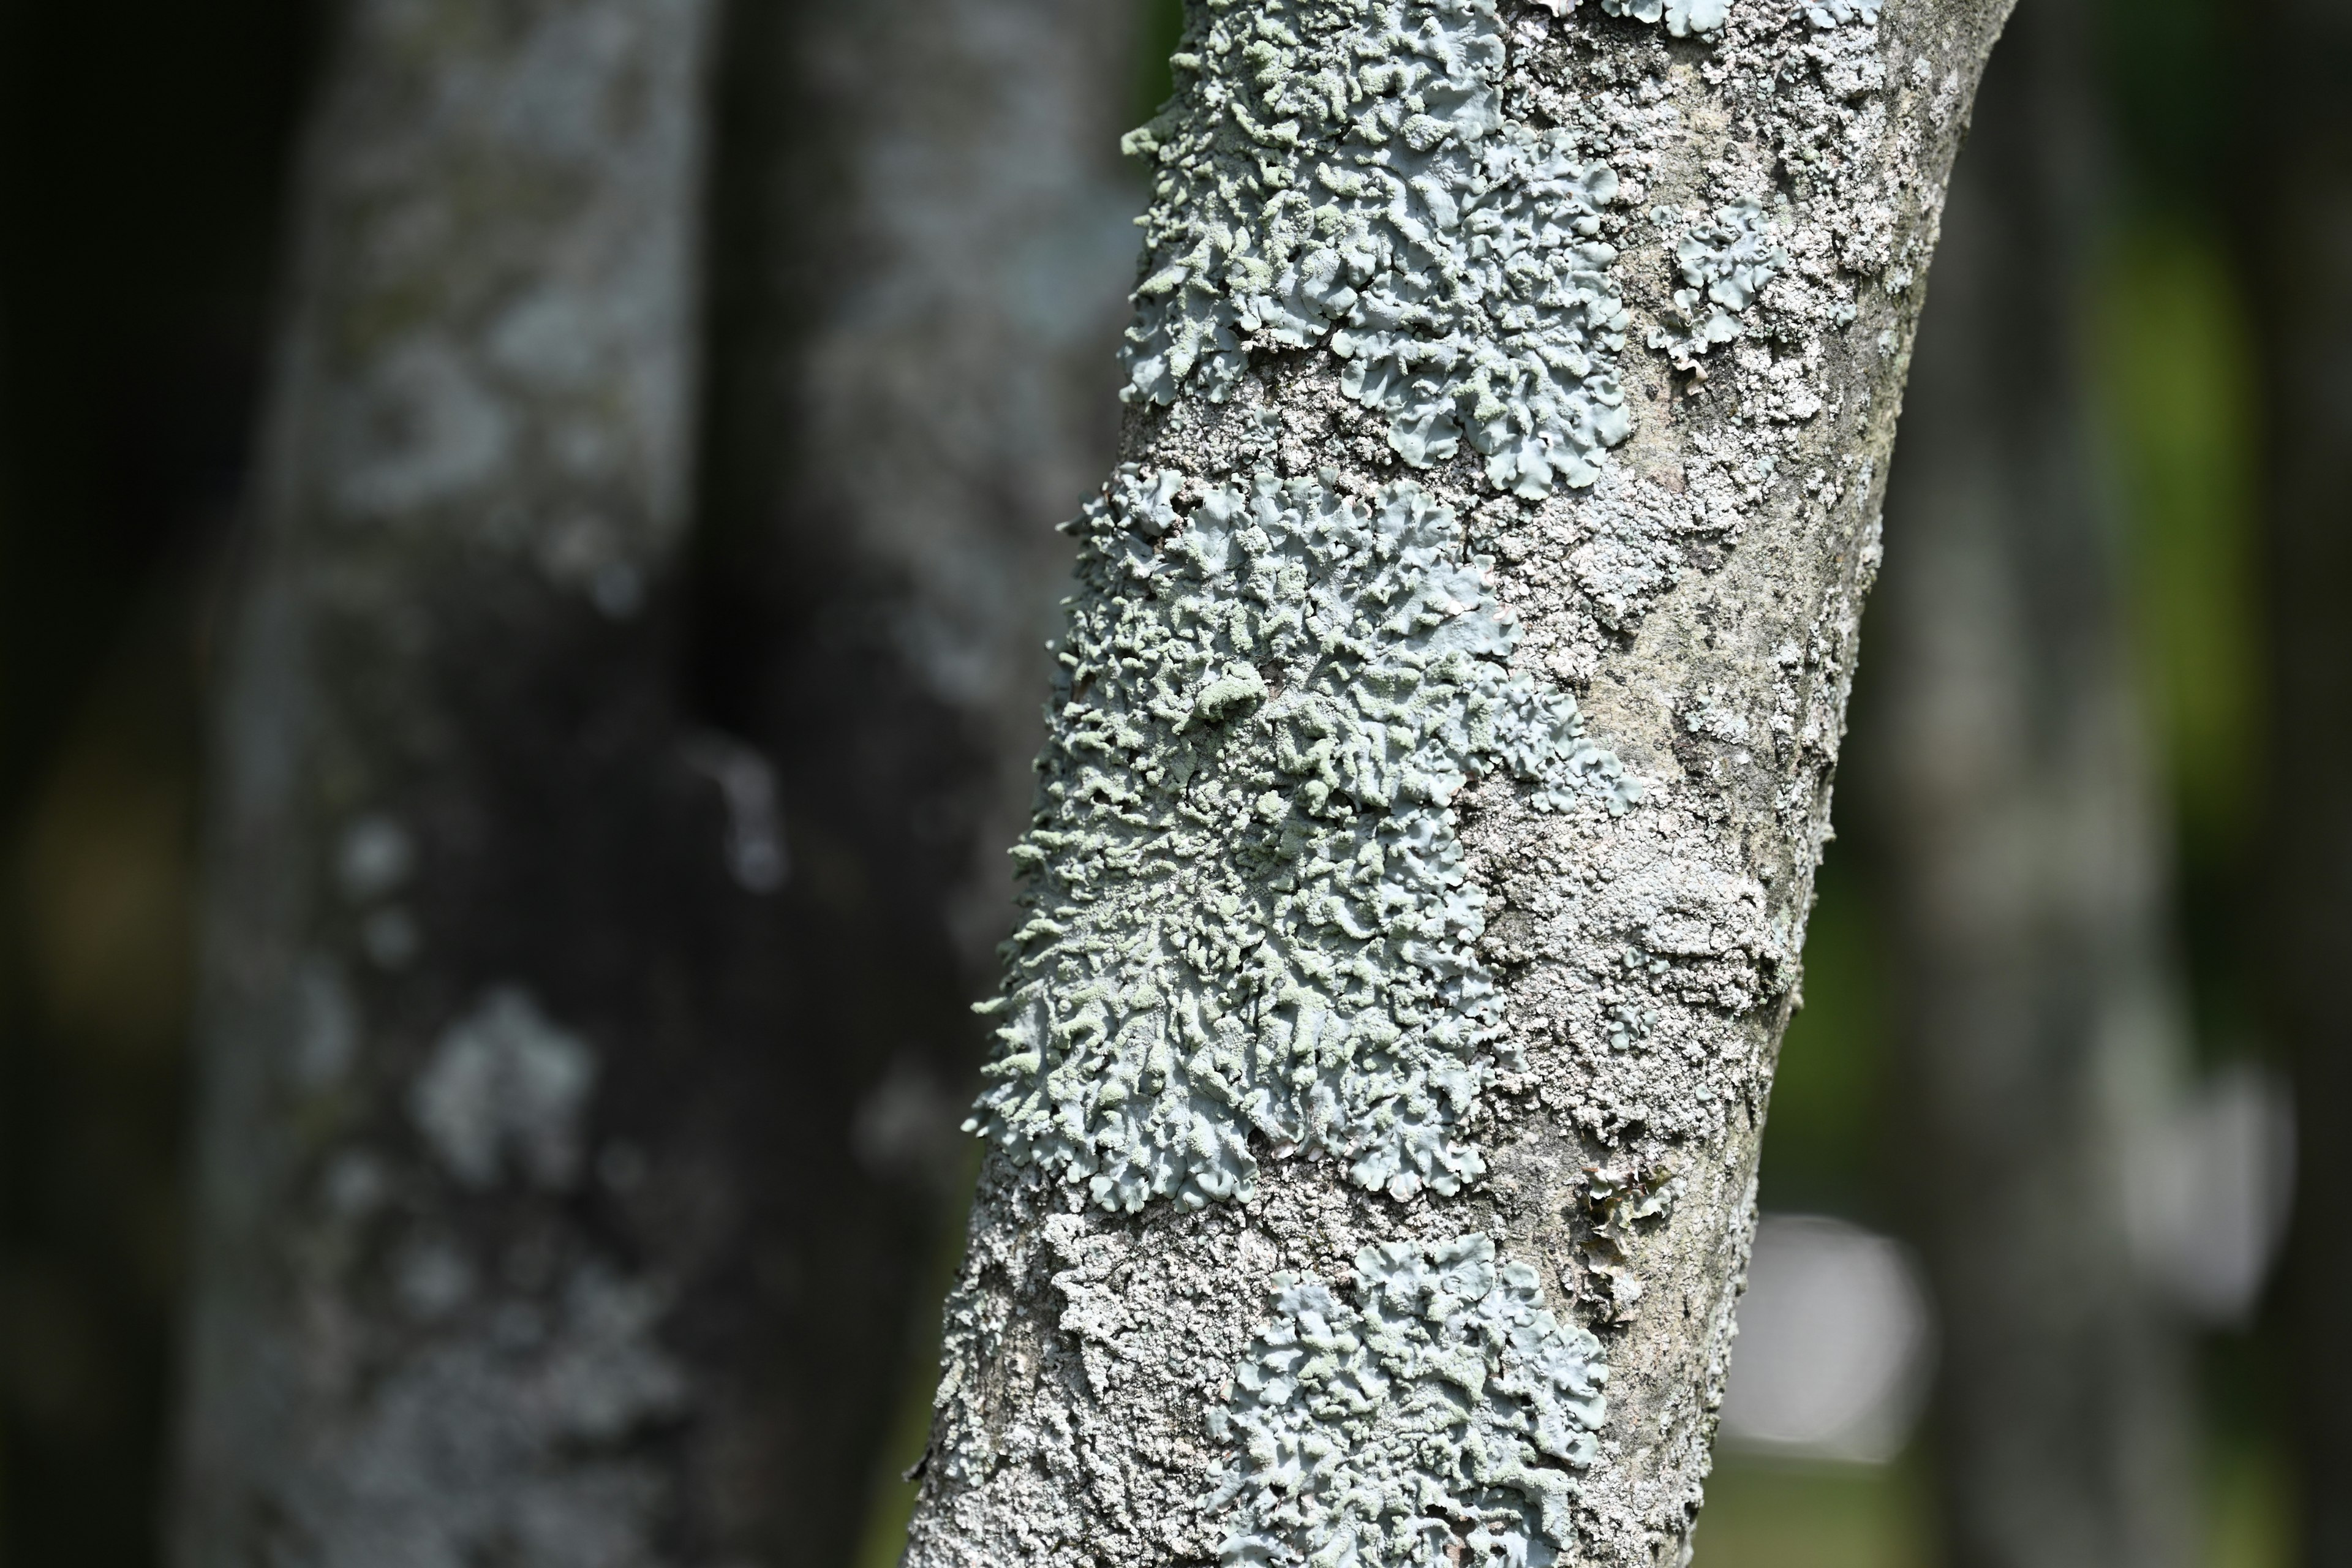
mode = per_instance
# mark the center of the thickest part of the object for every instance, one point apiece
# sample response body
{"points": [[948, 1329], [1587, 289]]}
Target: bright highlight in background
{"points": [[1835, 1346]]}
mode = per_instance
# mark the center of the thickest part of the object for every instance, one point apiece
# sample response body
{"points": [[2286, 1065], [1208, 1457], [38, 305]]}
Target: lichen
{"points": [[1836, 13], [1438, 1417], [1682, 17], [1723, 264], [1248, 910], [1351, 183], [1617, 1201]]}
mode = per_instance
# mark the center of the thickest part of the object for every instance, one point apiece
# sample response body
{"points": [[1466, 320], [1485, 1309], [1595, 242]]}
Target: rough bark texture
{"points": [[2301, 223], [2003, 773], [1431, 812]]}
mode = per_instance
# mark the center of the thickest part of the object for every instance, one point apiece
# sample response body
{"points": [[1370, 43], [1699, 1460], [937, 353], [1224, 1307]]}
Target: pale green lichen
{"points": [[1437, 1418], [1344, 177], [1248, 913], [1835, 13], [1682, 17], [1723, 265]]}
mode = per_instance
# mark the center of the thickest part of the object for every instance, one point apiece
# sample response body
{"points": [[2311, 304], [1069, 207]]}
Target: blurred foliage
{"points": [[2173, 355], [1823, 1153], [2250, 1518], [1766, 1513], [2174, 86]]}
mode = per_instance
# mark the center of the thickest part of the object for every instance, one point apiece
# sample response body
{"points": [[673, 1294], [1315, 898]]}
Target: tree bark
{"points": [[2299, 221], [503, 1127], [579, 1107], [474, 1223], [2006, 776], [924, 228], [1442, 739]]}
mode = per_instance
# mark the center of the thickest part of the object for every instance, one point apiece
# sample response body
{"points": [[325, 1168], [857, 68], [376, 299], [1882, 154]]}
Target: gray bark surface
{"points": [[2299, 221], [2003, 774], [1565, 962]]}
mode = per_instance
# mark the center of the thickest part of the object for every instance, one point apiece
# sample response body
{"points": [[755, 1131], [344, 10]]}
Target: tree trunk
{"points": [[481, 1037], [2300, 222], [502, 1153], [923, 243], [923, 224], [1440, 761], [2004, 769], [579, 1107]]}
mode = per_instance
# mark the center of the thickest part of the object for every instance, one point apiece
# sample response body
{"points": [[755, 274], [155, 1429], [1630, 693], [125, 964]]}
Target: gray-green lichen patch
{"points": [[1439, 1413], [1723, 263], [1837, 12], [1682, 17], [1248, 913], [1351, 182]]}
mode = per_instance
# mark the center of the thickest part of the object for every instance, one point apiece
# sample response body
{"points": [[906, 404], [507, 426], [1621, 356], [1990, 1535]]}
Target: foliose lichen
{"points": [[1836, 13], [1247, 907], [1348, 180], [1723, 262], [1682, 17], [1438, 1417]]}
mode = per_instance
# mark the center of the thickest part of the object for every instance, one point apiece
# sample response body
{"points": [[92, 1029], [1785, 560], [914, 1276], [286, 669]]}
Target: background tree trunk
{"points": [[588, 969], [499, 1185], [924, 242], [1384, 1064], [2300, 223], [2006, 775]]}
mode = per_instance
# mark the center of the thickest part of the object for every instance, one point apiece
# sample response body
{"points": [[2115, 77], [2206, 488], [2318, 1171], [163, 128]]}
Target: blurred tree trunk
{"points": [[2002, 764], [581, 1079], [924, 240], [492, 1251], [1383, 1064], [2299, 221]]}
